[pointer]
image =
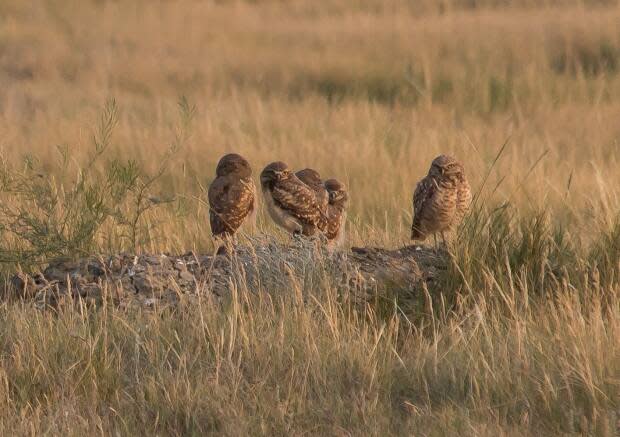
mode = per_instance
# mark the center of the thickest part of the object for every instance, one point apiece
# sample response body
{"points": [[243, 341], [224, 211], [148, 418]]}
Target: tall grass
{"points": [[517, 333], [515, 353]]}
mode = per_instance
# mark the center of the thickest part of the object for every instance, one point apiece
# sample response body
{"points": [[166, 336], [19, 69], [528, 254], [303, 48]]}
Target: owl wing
{"points": [[319, 190], [322, 196], [422, 202], [464, 196], [334, 222], [300, 201], [231, 200], [423, 195]]}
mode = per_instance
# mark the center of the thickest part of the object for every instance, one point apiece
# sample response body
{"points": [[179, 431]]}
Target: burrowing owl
{"points": [[337, 211], [441, 199], [291, 203], [312, 178], [231, 195]]}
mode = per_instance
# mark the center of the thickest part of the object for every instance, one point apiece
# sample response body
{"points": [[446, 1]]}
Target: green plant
{"points": [[44, 216]]}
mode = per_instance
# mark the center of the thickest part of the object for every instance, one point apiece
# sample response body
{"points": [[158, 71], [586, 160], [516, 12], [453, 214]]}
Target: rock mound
{"points": [[164, 279]]}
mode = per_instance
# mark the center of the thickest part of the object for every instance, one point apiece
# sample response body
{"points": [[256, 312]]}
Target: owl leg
{"points": [[435, 238], [443, 237]]}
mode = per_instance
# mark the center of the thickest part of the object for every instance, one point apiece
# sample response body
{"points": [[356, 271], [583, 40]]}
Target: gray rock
{"points": [[148, 284], [186, 276], [56, 273], [115, 264], [180, 265], [95, 269], [23, 285]]}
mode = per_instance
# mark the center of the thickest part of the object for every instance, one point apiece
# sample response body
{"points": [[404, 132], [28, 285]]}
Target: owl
{"points": [[231, 195], [291, 203], [441, 199], [336, 212], [312, 179]]}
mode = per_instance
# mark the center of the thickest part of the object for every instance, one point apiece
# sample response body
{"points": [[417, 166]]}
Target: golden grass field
{"points": [[522, 337]]}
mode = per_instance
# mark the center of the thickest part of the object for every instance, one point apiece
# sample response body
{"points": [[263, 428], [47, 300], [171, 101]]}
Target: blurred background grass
{"points": [[367, 91]]}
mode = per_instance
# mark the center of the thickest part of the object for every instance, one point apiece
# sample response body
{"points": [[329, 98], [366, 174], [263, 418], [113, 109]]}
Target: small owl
{"points": [[337, 211], [231, 195], [291, 203], [441, 199], [312, 179]]}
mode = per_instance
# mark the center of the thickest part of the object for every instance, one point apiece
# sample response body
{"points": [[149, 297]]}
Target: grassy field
{"points": [[520, 336]]}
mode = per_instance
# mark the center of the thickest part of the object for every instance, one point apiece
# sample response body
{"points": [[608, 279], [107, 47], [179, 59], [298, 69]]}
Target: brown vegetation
{"points": [[516, 333]]}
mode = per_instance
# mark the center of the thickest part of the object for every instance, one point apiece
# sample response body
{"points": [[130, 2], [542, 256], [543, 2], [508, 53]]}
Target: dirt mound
{"points": [[149, 279]]}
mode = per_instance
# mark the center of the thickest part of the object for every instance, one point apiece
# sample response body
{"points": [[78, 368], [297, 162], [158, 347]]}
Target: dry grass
{"points": [[519, 338]]}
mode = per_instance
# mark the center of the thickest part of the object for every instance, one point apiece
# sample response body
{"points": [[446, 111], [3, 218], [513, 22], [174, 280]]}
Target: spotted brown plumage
{"points": [[337, 214], [441, 199], [231, 195], [291, 203], [312, 178], [463, 199]]}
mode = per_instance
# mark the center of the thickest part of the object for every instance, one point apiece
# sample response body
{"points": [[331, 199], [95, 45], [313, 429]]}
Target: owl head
{"points": [[233, 164], [337, 192], [274, 172], [445, 166], [310, 177]]}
